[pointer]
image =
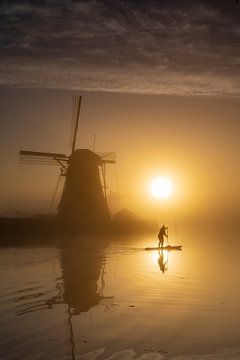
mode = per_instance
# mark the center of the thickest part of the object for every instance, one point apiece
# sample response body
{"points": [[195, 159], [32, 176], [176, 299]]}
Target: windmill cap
{"points": [[84, 155]]}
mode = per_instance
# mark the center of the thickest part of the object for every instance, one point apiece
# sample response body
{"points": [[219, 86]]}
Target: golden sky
{"points": [[192, 140]]}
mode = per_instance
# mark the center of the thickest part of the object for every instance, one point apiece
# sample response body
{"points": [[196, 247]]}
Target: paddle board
{"points": [[168, 247]]}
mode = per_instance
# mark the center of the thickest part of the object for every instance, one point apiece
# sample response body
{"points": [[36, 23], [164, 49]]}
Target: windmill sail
{"points": [[77, 100], [39, 157]]}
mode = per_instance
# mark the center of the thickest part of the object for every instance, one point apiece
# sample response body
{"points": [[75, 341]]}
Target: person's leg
{"points": [[161, 242]]}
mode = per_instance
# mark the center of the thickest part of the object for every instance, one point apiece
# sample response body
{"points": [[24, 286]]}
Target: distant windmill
{"points": [[84, 197]]}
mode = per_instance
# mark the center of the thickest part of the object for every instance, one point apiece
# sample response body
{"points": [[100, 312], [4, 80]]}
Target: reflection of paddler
{"points": [[162, 264], [161, 234]]}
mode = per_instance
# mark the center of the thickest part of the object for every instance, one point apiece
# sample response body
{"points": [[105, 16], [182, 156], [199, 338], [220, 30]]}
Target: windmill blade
{"points": [[55, 193], [73, 121], [77, 100], [107, 158], [42, 154], [43, 161], [44, 158]]}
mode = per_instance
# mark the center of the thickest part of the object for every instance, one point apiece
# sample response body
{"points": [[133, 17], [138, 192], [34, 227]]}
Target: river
{"points": [[108, 298]]}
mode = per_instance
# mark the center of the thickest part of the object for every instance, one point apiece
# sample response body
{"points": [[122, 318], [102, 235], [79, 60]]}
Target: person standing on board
{"points": [[161, 234]]}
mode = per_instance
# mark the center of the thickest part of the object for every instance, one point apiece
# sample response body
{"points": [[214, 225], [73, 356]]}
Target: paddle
{"points": [[167, 237]]}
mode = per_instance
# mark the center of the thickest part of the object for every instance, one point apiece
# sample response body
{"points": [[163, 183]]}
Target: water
{"points": [[110, 299]]}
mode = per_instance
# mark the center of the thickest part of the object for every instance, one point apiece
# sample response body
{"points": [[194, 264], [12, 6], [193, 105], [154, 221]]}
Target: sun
{"points": [[161, 187]]}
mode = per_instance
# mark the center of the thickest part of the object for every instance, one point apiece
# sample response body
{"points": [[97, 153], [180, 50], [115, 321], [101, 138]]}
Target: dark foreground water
{"points": [[110, 299]]}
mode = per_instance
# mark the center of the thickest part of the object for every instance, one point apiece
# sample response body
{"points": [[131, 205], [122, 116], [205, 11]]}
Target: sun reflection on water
{"points": [[154, 257], [160, 259]]}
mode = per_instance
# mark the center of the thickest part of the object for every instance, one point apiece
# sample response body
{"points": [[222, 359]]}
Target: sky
{"points": [[160, 86], [161, 47]]}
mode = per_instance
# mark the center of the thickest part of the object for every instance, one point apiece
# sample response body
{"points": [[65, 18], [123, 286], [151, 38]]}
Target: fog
{"points": [[192, 140]]}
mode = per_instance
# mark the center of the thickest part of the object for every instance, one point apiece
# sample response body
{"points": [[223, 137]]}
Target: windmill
{"points": [[84, 196]]}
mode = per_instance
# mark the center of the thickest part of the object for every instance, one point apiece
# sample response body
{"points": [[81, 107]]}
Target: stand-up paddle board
{"points": [[168, 247]]}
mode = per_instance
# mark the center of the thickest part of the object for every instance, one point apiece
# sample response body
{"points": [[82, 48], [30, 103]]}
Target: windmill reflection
{"points": [[163, 260], [80, 286], [82, 283]]}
